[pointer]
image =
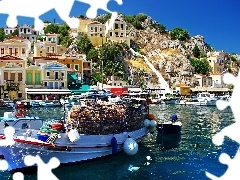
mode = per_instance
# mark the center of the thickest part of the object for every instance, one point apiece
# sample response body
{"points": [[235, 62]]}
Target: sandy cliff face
{"points": [[169, 57]]}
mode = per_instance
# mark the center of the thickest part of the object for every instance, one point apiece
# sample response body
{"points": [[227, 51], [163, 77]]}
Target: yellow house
{"points": [[33, 76], [49, 46], [118, 32], [216, 61], [14, 47], [79, 63], [12, 81], [83, 24], [4, 60], [54, 75]]}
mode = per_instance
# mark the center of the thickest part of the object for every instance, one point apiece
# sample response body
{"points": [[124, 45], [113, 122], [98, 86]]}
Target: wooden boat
{"points": [[92, 131]]}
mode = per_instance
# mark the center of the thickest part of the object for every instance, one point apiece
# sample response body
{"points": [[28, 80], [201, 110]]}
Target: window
{"points": [[23, 50], [68, 65], [96, 29], [121, 34], [91, 34], [20, 64], [10, 51], [6, 31], [121, 26], [40, 51], [16, 51], [19, 76], [48, 73], [53, 50], [116, 33], [76, 66], [62, 84], [12, 76], [100, 35], [116, 26], [62, 74], [89, 64], [10, 31], [48, 49], [100, 29], [45, 83], [2, 50], [72, 60], [19, 95], [110, 33], [91, 28], [5, 75]]}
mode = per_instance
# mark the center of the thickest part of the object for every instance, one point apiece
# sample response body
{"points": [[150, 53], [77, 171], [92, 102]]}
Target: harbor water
{"points": [[184, 156]]}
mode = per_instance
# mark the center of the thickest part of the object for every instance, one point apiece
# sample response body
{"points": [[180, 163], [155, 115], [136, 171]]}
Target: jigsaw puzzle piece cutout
{"points": [[44, 170], [232, 131], [62, 7], [221, 104], [9, 132], [18, 176], [3, 165], [100, 4], [229, 78], [233, 167]]}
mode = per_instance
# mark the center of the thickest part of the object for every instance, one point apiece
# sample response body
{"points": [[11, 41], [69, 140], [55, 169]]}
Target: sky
{"points": [[217, 20]]}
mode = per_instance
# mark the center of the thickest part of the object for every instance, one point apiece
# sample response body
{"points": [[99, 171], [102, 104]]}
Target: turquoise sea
{"points": [[186, 156]]}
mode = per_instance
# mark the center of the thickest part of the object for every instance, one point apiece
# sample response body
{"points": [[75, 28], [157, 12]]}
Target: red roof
{"points": [[9, 57], [16, 38]]}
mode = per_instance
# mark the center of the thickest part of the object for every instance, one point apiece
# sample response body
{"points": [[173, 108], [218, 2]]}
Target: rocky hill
{"points": [[170, 56]]}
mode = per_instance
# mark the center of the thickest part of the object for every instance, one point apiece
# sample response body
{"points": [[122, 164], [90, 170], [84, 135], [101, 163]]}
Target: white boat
{"points": [[91, 138], [171, 101], [202, 99]]}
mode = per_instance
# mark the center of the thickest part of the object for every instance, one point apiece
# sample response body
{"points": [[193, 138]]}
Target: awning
{"points": [[52, 92], [47, 91]]}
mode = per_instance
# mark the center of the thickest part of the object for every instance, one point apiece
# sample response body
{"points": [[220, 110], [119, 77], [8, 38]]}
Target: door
{"points": [[56, 75], [37, 78], [29, 78], [51, 85], [56, 85]]}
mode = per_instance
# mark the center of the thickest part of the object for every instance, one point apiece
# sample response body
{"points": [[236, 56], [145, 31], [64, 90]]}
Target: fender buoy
{"points": [[130, 146], [114, 146], [146, 123]]}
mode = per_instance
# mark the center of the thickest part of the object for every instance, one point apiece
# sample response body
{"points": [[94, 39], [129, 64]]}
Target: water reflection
{"points": [[167, 142]]}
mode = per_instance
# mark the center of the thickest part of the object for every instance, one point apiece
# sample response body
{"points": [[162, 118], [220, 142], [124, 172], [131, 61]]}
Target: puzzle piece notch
{"points": [[231, 79], [18, 176], [44, 170], [233, 167], [62, 7], [9, 132], [3, 165]]}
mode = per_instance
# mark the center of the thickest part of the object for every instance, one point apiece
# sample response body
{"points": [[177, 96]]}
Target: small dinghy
{"points": [[170, 127]]}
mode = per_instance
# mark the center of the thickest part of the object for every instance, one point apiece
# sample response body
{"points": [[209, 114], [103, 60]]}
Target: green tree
{"points": [[2, 34], [201, 66], [103, 19], [84, 44], [51, 28], [130, 18], [47, 21], [196, 51], [81, 16], [180, 34], [141, 17], [203, 54], [64, 38], [93, 55], [161, 28], [15, 33], [137, 24]]}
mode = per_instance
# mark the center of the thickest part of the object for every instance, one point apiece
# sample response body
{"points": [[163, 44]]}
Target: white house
{"points": [[27, 32]]}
